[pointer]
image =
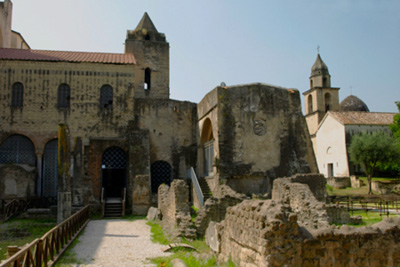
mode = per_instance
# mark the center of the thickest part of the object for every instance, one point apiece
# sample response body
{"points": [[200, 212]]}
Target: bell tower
{"points": [[320, 98], [151, 52]]}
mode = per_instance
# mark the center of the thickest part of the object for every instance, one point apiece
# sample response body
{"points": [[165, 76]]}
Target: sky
{"points": [[237, 41]]}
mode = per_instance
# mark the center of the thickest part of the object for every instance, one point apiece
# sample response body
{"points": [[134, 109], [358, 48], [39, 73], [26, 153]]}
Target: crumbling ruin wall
{"points": [[296, 192], [214, 208], [306, 195], [174, 206], [17, 181], [266, 233]]}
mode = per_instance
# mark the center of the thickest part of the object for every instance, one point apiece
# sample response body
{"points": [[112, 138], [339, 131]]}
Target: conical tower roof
{"points": [[146, 23], [319, 67]]}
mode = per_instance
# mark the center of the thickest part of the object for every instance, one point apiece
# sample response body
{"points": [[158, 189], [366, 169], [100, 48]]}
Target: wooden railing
{"points": [[11, 207], [102, 202], [123, 200], [48, 249]]}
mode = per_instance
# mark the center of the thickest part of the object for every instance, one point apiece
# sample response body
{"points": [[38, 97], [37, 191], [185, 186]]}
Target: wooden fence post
{"points": [[11, 250], [39, 253]]}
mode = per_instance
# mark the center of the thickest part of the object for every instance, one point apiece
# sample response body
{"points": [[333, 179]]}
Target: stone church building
{"points": [[125, 136], [332, 124]]}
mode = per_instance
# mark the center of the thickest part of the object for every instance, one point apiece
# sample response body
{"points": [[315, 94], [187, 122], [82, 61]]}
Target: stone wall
{"points": [[262, 135], [356, 182], [214, 208], [383, 188], [175, 209], [305, 194], [339, 182], [17, 181], [311, 213], [265, 233]]}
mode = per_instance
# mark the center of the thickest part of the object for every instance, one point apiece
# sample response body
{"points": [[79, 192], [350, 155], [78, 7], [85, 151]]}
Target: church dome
{"points": [[319, 67], [353, 103]]}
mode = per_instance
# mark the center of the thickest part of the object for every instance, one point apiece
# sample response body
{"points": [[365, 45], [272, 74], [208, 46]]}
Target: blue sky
{"points": [[236, 41]]}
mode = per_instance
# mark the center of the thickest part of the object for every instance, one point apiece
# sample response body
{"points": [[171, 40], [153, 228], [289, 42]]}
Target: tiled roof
{"points": [[363, 118], [45, 55]]}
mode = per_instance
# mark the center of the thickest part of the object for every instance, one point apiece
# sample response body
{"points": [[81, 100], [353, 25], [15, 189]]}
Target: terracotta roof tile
{"points": [[46, 55], [363, 118]]}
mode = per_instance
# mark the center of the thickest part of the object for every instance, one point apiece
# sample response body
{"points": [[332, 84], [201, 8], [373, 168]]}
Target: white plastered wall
{"points": [[331, 148]]}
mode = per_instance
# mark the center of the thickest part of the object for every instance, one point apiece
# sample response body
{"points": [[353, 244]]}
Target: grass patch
{"points": [[69, 257], [380, 179], [18, 232], [193, 214], [370, 217], [202, 258], [157, 234], [348, 191], [188, 258]]}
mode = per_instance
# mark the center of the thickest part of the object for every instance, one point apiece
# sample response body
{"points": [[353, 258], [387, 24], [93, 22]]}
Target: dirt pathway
{"points": [[116, 242]]}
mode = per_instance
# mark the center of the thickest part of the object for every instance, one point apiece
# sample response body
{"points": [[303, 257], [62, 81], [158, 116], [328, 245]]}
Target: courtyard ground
{"points": [[114, 242]]}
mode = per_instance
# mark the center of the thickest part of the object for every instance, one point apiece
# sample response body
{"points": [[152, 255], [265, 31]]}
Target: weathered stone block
{"points": [[153, 214]]}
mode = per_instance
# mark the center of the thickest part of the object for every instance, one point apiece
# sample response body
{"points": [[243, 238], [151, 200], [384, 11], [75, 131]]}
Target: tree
{"points": [[372, 149], [395, 126]]}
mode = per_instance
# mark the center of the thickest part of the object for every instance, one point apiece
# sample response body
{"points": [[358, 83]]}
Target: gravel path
{"points": [[117, 243]]}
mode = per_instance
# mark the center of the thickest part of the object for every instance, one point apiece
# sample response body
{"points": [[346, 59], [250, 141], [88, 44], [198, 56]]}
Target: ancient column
{"points": [[39, 157], [64, 201]]}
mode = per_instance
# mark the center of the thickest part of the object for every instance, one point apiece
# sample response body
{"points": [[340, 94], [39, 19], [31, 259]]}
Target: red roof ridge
{"points": [[70, 56]]}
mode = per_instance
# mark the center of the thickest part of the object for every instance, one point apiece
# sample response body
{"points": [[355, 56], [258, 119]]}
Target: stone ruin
{"points": [[173, 203], [293, 228]]}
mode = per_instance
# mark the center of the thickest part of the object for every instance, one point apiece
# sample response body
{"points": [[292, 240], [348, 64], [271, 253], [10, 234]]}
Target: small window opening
{"points": [[147, 37], [327, 102], [106, 97], [17, 95], [147, 78], [310, 104], [64, 96], [325, 82]]}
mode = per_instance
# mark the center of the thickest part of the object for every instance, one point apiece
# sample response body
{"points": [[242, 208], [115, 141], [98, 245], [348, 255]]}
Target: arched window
{"points": [[106, 97], [147, 78], [207, 140], [325, 82], [64, 96], [17, 149], [17, 95], [311, 83], [327, 101], [310, 104], [50, 169], [161, 173]]}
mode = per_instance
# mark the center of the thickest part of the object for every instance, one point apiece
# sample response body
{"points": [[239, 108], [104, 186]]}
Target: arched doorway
{"points": [[207, 142], [113, 172], [161, 173], [50, 158]]}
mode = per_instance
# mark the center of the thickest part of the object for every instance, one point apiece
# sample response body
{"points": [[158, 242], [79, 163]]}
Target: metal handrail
{"points": [[197, 187], [102, 202], [123, 200]]}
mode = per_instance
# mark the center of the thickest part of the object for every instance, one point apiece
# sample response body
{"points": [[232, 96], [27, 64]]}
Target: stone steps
{"points": [[205, 189], [113, 210]]}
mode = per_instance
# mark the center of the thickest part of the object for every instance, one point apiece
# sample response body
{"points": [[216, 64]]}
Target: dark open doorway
{"points": [[113, 172]]}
